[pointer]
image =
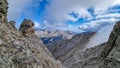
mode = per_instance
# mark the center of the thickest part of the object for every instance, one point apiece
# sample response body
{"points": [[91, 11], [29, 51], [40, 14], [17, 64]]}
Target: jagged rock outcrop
{"points": [[111, 53], [3, 10], [22, 49], [12, 24], [27, 27]]}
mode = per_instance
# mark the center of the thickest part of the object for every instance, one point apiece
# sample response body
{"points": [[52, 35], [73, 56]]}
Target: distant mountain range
{"points": [[81, 48], [50, 36], [84, 50], [89, 49], [64, 47]]}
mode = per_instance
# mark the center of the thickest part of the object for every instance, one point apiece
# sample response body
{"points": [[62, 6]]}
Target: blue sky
{"points": [[73, 15]]}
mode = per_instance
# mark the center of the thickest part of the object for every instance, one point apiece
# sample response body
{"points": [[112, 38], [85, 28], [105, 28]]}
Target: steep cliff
{"points": [[22, 49], [111, 52]]}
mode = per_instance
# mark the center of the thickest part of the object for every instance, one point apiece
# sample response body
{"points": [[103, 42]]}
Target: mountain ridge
{"points": [[51, 36], [105, 55]]}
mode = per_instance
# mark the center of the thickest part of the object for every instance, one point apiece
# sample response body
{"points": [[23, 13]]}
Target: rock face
{"points": [[111, 53], [22, 49], [27, 27], [12, 23], [3, 10], [85, 59]]}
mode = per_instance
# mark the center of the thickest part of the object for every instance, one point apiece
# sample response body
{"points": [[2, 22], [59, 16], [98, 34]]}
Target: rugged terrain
{"points": [[108, 57], [105, 55], [64, 47], [22, 49]]}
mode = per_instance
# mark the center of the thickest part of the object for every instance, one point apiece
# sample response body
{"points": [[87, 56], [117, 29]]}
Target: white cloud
{"points": [[18, 7], [103, 5], [37, 25], [82, 13], [58, 10], [71, 28], [114, 15], [97, 24], [53, 26]]}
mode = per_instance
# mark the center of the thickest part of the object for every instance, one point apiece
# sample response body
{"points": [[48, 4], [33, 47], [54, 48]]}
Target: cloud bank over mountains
{"points": [[58, 13]]}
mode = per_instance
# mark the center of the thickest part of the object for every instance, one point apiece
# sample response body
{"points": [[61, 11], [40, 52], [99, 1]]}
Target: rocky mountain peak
{"points": [[117, 29], [27, 27], [12, 23]]}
